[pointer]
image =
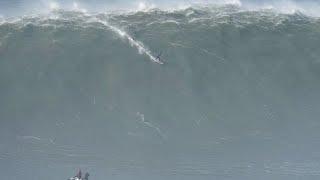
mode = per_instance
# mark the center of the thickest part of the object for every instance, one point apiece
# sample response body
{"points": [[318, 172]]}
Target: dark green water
{"points": [[236, 98]]}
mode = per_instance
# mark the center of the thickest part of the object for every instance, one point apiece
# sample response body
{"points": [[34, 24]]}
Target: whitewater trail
{"points": [[134, 43]]}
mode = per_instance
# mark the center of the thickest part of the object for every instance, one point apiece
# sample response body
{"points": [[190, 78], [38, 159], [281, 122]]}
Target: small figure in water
{"points": [[158, 57]]}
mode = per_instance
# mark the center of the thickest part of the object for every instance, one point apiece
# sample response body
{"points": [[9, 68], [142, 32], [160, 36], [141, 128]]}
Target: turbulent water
{"points": [[234, 95]]}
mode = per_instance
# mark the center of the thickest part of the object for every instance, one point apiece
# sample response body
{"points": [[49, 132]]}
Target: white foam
{"points": [[77, 7], [223, 2], [287, 7], [2, 20], [282, 6], [53, 5], [145, 6]]}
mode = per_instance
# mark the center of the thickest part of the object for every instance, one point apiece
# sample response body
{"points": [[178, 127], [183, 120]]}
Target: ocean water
{"points": [[234, 95]]}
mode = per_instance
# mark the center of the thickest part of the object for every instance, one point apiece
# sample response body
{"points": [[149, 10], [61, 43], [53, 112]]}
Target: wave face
{"points": [[235, 95]]}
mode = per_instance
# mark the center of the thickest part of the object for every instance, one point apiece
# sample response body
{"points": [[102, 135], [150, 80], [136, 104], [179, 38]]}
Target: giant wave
{"points": [[234, 96]]}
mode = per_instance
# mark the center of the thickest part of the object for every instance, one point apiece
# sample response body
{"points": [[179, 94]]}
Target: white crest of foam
{"points": [[287, 7], [76, 7], [218, 2], [54, 5], [144, 6], [233, 2], [134, 43], [2, 20], [141, 6]]}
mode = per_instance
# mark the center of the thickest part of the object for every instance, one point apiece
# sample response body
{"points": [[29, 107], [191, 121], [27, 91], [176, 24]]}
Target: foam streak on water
{"points": [[134, 43]]}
